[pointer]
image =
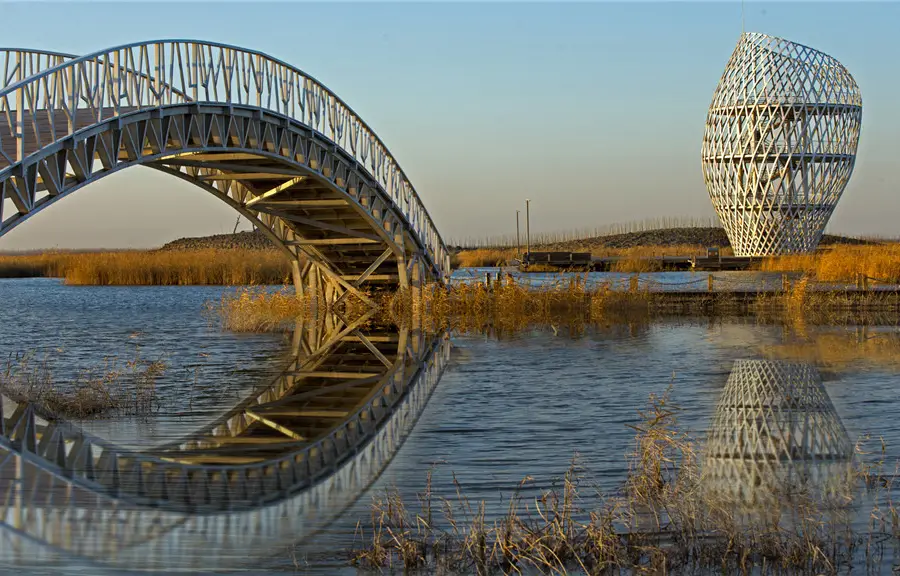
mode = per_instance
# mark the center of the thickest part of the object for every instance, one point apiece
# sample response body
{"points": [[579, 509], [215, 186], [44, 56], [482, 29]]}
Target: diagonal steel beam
{"points": [[374, 266], [373, 349], [276, 190], [273, 425]]}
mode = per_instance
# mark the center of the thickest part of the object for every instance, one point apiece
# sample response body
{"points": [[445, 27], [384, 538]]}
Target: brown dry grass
{"points": [[842, 263], [188, 267], [153, 268], [483, 257], [509, 304], [45, 264], [257, 309], [663, 520], [98, 391]]}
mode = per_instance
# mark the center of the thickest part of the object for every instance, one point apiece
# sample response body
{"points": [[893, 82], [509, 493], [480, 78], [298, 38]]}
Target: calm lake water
{"points": [[507, 407]]}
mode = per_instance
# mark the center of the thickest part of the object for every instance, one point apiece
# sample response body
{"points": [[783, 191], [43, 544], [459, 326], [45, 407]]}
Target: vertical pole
{"points": [[710, 283], [20, 109], [527, 226], [518, 243]]}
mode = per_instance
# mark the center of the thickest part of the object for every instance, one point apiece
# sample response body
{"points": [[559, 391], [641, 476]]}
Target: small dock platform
{"points": [[583, 261]]}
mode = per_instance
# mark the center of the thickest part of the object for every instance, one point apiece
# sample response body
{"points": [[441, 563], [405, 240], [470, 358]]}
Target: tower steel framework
{"points": [[780, 144]]}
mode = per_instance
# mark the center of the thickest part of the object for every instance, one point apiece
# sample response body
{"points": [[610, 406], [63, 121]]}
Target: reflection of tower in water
{"points": [[775, 434]]}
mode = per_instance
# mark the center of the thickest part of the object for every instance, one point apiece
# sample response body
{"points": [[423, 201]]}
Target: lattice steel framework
{"points": [[780, 144], [775, 431], [259, 134]]}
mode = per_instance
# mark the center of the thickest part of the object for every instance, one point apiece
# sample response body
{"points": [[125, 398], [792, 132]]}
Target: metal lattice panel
{"points": [[780, 144], [775, 431]]}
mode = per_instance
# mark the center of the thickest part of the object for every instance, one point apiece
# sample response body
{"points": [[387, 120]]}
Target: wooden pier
{"points": [[712, 261]]}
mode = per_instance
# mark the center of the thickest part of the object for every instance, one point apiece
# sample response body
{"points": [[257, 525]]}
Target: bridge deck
{"points": [[325, 219]]}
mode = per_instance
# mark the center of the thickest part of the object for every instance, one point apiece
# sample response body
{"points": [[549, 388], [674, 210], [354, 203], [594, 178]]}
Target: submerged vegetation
{"points": [[667, 516], [153, 268], [111, 388]]}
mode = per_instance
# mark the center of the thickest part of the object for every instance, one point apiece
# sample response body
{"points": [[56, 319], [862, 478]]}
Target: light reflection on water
{"points": [[521, 406]]}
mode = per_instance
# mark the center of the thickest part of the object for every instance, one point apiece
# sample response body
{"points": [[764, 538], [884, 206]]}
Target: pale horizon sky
{"points": [[594, 111]]}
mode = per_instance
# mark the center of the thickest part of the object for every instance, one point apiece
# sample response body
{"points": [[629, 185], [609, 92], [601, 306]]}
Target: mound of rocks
{"points": [[241, 241], [673, 237]]}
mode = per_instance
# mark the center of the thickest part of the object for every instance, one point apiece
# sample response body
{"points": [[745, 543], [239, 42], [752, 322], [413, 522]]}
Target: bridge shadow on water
{"points": [[278, 467]]}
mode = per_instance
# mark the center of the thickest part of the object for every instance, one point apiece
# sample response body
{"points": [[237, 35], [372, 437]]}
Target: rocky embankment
{"points": [[669, 237], [241, 241]]}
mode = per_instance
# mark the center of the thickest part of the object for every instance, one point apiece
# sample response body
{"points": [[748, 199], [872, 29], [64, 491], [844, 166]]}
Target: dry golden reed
{"points": [[484, 257], [843, 263], [667, 517], [189, 267], [110, 388], [154, 268], [44, 264], [258, 309]]}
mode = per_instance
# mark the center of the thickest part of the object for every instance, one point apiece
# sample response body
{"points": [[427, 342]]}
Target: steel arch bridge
{"points": [[261, 135]]}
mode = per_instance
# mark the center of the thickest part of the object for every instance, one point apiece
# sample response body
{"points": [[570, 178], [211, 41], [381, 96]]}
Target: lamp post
{"points": [[527, 227], [518, 243]]}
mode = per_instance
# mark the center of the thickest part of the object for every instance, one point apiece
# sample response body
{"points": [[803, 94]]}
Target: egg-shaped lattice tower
{"points": [[775, 433], [780, 144]]}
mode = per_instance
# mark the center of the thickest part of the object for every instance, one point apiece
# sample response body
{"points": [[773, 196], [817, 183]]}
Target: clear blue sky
{"points": [[595, 111]]}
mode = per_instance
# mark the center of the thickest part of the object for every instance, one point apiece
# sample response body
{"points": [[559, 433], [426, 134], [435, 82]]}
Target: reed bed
{"points": [[44, 264], [109, 388], [153, 268], [665, 518], [259, 309], [483, 257], [508, 304], [842, 263], [189, 267]]}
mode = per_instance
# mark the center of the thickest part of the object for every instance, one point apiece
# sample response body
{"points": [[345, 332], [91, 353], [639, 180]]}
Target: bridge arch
{"points": [[259, 134]]}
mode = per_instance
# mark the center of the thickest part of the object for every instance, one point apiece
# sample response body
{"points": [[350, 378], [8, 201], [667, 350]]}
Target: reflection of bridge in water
{"points": [[775, 433], [257, 133], [280, 466]]}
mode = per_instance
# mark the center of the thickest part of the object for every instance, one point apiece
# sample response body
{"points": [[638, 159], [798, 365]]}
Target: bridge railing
{"points": [[17, 64], [54, 103]]}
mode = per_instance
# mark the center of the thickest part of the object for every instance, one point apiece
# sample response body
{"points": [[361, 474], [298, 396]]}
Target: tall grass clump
{"points": [[843, 263], [110, 388], [513, 304], [666, 517], [259, 309]]}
